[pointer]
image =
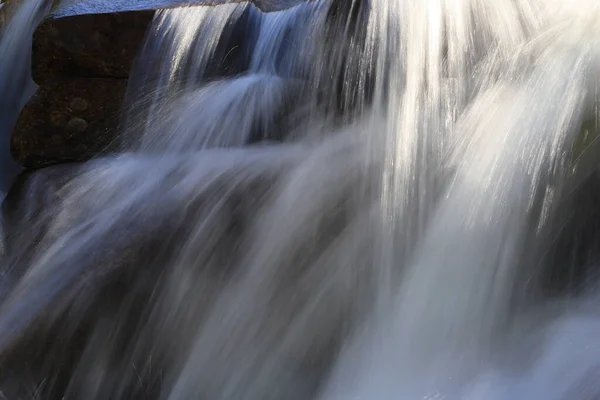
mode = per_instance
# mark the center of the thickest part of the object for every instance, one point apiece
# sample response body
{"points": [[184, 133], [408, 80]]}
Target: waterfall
{"points": [[16, 84], [331, 201]]}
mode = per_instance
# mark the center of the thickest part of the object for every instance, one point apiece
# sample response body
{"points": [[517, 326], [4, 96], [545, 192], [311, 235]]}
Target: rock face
{"points": [[83, 54], [68, 120], [80, 7], [82, 65], [88, 46]]}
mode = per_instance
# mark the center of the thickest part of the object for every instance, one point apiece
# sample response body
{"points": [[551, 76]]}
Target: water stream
{"points": [[16, 85], [385, 199]]}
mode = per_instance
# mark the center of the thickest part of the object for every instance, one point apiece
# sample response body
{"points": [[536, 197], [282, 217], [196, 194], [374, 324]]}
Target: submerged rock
{"points": [[144, 279]]}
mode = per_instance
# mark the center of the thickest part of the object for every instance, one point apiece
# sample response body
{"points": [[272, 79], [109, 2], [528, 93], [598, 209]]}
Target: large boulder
{"points": [[82, 65], [82, 57], [81, 7]]}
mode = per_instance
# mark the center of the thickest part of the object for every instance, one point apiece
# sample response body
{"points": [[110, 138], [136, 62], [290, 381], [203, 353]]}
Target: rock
{"points": [[57, 127], [88, 46], [355, 80], [81, 7], [82, 65], [82, 58]]}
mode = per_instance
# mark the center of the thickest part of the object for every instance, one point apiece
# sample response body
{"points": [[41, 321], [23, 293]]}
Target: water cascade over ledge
{"points": [[384, 199], [16, 85]]}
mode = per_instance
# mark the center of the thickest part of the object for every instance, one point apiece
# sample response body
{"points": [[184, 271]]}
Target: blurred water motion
{"points": [[385, 199]]}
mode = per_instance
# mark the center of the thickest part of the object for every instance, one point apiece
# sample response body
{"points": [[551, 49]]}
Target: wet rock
{"points": [[82, 65], [234, 51], [117, 291], [99, 38], [56, 127], [28, 207], [88, 46], [82, 58], [571, 258], [79, 104], [80, 7], [77, 125], [353, 87]]}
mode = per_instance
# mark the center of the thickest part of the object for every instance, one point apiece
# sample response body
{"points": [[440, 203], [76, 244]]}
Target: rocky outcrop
{"points": [[82, 65], [82, 57], [69, 120], [81, 7]]}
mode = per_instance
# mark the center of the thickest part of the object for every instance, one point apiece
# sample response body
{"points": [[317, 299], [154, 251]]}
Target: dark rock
{"points": [[571, 258], [77, 125], [82, 58], [57, 127], [234, 51], [88, 46], [27, 209], [98, 38], [79, 104], [114, 289], [81, 64]]}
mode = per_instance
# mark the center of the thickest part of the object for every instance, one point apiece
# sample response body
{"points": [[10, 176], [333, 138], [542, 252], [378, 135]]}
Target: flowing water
{"points": [[385, 199], [16, 85]]}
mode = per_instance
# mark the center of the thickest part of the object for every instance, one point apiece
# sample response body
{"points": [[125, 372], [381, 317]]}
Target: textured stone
{"points": [[82, 65], [82, 58], [88, 46], [55, 127], [81, 7]]}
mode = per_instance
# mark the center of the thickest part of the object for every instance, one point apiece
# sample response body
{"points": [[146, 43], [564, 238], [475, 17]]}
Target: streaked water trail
{"points": [[16, 84], [361, 200]]}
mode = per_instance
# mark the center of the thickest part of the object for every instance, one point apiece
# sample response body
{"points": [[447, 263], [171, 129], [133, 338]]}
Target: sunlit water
{"points": [[378, 200]]}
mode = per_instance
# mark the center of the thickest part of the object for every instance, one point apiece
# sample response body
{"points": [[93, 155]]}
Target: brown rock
{"points": [[82, 64], [88, 46], [79, 104], [57, 127]]}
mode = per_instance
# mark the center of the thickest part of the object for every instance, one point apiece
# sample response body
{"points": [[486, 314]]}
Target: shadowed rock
{"points": [[86, 50], [68, 120], [84, 57], [118, 294]]}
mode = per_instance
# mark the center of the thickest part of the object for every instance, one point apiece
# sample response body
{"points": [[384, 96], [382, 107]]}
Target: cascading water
{"points": [[366, 200], [16, 86]]}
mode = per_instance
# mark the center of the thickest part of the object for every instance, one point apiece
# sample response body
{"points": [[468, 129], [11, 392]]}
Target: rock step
{"points": [[85, 51]]}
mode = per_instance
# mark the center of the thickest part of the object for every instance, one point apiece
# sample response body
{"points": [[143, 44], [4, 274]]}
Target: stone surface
{"points": [[69, 120], [82, 65], [88, 46], [80, 7], [82, 58]]}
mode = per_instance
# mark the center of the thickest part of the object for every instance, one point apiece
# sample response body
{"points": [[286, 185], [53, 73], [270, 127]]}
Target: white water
{"points": [[318, 206], [16, 86]]}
